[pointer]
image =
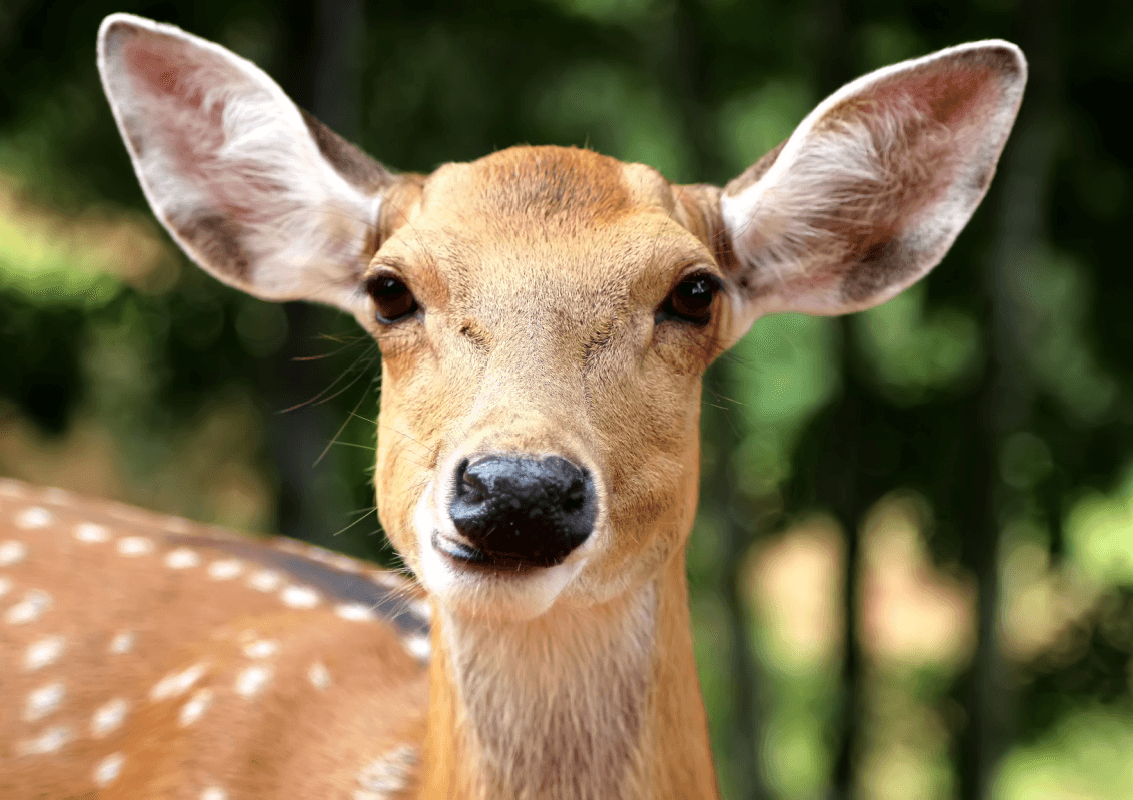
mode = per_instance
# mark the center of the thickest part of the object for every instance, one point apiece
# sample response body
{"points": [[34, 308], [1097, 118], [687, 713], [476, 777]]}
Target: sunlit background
{"points": [[913, 568]]}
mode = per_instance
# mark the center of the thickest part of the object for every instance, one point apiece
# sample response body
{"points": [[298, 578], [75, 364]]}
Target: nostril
{"points": [[469, 485], [575, 496]]}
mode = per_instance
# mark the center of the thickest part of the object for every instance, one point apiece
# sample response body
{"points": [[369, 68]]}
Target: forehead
{"points": [[545, 214], [563, 185]]}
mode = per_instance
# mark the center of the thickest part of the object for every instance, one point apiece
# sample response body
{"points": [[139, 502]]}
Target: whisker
{"points": [[342, 427]]}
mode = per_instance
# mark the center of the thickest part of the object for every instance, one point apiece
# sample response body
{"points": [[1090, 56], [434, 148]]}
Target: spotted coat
{"points": [[149, 656]]}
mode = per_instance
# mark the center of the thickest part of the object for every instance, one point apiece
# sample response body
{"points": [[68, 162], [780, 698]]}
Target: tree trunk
{"points": [[846, 500], [1007, 400], [832, 69], [313, 505]]}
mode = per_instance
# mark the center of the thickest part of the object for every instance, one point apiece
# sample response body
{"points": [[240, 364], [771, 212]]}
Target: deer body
{"points": [[198, 639], [545, 316]]}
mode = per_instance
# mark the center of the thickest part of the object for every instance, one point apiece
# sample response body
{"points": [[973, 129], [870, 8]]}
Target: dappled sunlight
{"points": [[908, 742], [1088, 757], [916, 619], [59, 257], [796, 583], [913, 614], [1099, 533], [1040, 602], [918, 629]]}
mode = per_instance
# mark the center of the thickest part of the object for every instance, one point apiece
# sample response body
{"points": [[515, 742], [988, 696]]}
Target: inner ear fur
{"points": [[872, 188], [259, 193]]}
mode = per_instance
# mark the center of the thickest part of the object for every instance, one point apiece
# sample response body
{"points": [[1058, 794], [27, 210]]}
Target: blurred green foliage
{"points": [[998, 394]]}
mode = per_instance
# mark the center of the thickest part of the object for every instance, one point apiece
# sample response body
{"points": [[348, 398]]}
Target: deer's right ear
{"points": [[257, 192]]}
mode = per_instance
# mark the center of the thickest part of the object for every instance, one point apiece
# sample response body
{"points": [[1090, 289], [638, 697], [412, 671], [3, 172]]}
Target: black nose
{"points": [[521, 512]]}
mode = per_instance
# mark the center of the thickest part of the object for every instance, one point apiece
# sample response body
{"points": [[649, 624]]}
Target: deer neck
{"points": [[579, 704]]}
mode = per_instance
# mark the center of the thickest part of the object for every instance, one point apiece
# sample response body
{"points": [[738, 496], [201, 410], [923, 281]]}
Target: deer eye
{"points": [[691, 299], [392, 299]]}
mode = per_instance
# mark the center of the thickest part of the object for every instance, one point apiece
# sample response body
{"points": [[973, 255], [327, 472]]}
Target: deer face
{"points": [[545, 314], [557, 311]]}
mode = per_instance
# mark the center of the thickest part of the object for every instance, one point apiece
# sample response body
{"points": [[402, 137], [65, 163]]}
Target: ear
{"points": [[257, 192], [870, 191]]}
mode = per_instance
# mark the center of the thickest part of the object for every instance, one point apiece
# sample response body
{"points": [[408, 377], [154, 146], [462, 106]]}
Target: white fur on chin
{"points": [[478, 593]]}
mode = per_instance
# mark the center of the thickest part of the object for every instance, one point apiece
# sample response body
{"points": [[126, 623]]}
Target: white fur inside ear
{"points": [[872, 188], [231, 167], [784, 218]]}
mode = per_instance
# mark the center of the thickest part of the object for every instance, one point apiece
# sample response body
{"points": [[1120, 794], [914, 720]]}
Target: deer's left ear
{"points": [[871, 189]]}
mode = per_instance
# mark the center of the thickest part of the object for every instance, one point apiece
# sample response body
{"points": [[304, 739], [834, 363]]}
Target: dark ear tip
{"points": [[1002, 56]]}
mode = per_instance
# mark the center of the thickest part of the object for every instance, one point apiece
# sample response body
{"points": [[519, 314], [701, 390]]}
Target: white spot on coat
{"points": [[133, 546], [31, 608], [195, 707], [108, 717], [421, 609], [49, 741], [388, 775], [43, 652], [177, 683], [299, 597], [225, 570], [214, 793], [5, 586], [319, 676], [355, 612], [122, 643], [418, 646], [90, 533], [108, 770], [43, 701], [12, 552], [182, 558], [387, 580], [252, 680], [265, 580], [262, 648], [34, 517]]}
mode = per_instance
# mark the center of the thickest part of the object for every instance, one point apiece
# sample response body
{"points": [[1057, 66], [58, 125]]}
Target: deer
{"points": [[545, 316]]}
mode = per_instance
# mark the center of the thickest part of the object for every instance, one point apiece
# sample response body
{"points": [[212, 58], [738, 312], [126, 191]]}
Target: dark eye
{"points": [[392, 298], [691, 299]]}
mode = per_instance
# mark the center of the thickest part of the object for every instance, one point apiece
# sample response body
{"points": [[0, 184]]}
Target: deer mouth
{"points": [[472, 557], [473, 582]]}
